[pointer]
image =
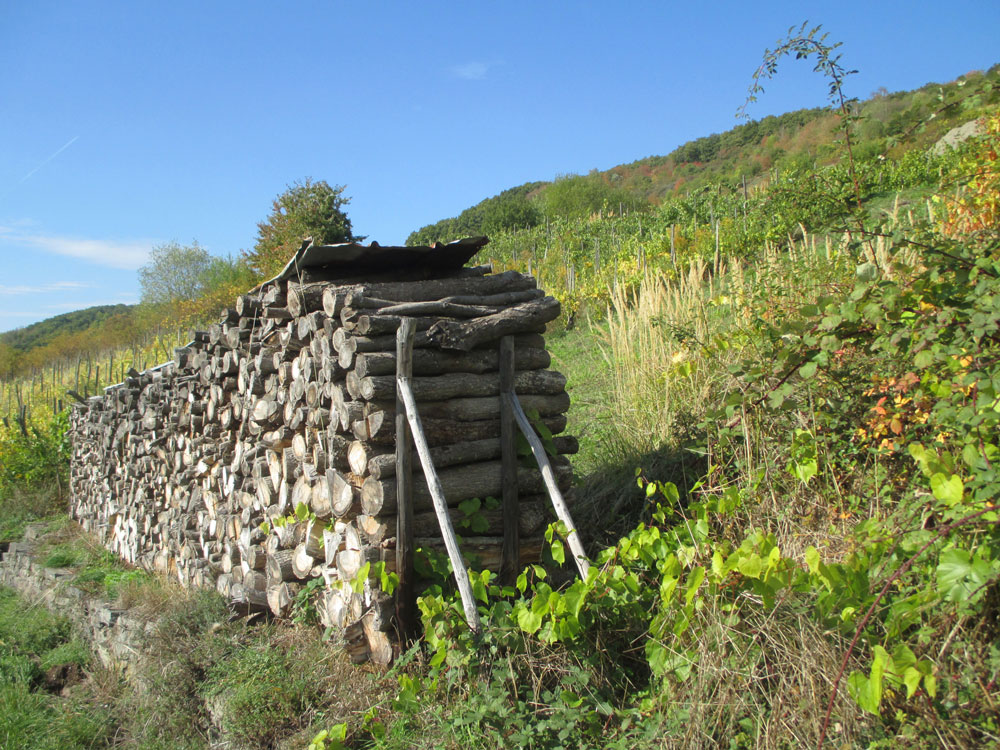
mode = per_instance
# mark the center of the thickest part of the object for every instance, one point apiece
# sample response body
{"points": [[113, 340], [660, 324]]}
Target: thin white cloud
{"points": [[129, 254], [58, 151], [474, 70], [55, 286]]}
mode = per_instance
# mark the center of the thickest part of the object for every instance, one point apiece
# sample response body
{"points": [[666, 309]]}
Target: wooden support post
{"points": [[718, 258], [673, 250], [406, 599], [440, 507], [562, 511], [510, 562]]}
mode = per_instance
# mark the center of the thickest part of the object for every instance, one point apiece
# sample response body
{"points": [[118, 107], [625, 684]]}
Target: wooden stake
{"points": [[440, 507], [509, 556], [562, 511], [406, 601]]}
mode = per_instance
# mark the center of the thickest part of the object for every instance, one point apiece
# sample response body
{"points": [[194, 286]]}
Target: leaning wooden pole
{"points": [[509, 557], [406, 600], [440, 504], [562, 510]]}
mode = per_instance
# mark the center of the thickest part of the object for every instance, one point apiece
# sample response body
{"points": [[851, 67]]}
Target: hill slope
{"points": [[44, 332], [887, 123]]}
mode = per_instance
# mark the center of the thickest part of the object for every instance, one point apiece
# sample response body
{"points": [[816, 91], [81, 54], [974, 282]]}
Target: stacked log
{"points": [[262, 457]]}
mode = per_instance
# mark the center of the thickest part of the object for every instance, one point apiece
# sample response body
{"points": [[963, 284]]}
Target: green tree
{"points": [[305, 209], [576, 196], [175, 272], [8, 360], [515, 212]]}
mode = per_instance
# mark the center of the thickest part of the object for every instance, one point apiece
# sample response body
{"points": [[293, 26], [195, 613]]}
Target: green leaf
{"points": [[570, 698], [558, 552], [930, 685], [718, 565], [657, 655], [479, 523], [867, 691], [528, 620], [911, 678], [948, 490], [695, 579], [479, 589], [575, 597], [807, 370], [750, 565], [958, 576], [812, 559], [470, 506]]}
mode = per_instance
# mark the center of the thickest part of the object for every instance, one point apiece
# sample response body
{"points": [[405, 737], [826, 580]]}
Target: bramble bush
{"points": [[839, 560]]}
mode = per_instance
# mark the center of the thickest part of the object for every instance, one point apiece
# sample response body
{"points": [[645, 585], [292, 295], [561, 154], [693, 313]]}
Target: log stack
{"points": [[262, 457]]}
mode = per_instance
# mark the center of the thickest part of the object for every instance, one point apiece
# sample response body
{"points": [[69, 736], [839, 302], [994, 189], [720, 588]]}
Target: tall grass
{"points": [[671, 344]]}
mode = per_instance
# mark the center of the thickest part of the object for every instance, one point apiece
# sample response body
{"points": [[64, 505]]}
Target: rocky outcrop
{"points": [[956, 136]]}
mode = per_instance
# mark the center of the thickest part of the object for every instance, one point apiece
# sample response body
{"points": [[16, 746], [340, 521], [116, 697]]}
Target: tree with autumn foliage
{"points": [[305, 209]]}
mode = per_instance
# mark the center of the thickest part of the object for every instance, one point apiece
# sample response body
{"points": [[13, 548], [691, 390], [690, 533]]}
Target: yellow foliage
{"points": [[976, 206]]}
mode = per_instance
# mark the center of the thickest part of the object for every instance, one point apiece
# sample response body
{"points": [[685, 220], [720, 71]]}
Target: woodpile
{"points": [[262, 457]]}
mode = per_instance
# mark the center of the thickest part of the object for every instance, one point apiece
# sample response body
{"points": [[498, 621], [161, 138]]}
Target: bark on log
{"points": [[470, 334], [436, 289], [378, 496], [305, 298], [433, 362], [382, 465], [279, 566], [380, 428], [463, 385]]}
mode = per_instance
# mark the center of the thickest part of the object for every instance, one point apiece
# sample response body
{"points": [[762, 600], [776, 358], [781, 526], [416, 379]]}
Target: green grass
{"points": [[38, 652], [20, 508], [97, 571]]}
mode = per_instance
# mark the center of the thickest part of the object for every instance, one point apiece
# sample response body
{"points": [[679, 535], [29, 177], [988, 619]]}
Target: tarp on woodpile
{"points": [[348, 259]]}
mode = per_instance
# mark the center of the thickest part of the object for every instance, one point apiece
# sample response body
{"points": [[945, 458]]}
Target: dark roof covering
{"points": [[351, 259]]}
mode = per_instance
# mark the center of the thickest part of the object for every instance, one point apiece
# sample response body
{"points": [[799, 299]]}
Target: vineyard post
{"points": [[717, 258], [673, 248]]}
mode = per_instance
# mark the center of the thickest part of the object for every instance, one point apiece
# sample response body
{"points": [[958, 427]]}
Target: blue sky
{"points": [[127, 124]]}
